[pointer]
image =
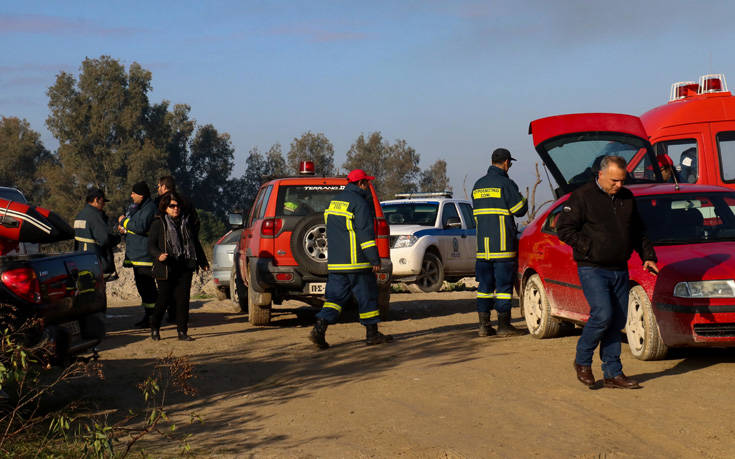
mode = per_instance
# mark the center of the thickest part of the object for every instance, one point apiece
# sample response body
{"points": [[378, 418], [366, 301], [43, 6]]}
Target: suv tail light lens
{"points": [[271, 226], [24, 283], [381, 227]]}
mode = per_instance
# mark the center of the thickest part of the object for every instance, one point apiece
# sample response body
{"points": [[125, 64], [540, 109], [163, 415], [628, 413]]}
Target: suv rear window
{"points": [[302, 200]]}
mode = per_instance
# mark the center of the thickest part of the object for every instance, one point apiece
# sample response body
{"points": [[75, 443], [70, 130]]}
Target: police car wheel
{"points": [[431, 277], [309, 244]]}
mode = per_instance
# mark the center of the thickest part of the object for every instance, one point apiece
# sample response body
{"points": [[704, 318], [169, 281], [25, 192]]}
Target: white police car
{"points": [[432, 238]]}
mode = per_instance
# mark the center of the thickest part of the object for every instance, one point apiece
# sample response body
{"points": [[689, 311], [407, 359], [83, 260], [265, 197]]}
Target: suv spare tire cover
{"points": [[309, 244]]}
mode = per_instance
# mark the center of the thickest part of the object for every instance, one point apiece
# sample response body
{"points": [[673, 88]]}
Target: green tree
{"points": [[209, 166], [435, 178], [312, 147], [103, 122], [22, 156], [277, 166]]}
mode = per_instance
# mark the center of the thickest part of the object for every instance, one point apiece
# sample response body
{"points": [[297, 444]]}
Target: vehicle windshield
{"points": [[577, 157], [411, 213], [688, 218], [302, 200]]}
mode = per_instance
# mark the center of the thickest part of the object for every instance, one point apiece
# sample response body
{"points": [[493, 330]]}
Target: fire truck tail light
{"points": [[712, 83], [306, 168], [683, 89], [271, 226]]}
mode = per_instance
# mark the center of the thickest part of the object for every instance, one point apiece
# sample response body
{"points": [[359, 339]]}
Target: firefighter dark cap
{"points": [[500, 155], [94, 193], [357, 175], [142, 189]]}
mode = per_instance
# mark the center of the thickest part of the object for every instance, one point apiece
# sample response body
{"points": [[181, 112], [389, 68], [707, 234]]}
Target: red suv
{"points": [[282, 253]]}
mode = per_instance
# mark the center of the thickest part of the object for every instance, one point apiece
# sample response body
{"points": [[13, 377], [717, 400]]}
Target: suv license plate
{"points": [[318, 288]]}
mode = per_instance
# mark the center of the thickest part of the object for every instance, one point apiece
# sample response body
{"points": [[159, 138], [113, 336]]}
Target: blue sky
{"points": [[454, 79]]}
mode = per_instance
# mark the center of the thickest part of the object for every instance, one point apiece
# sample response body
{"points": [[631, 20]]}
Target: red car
{"points": [[692, 300]]}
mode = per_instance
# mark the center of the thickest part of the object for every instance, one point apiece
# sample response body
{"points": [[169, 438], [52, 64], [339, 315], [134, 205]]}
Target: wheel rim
{"points": [[635, 325], [315, 243], [429, 273], [533, 306]]}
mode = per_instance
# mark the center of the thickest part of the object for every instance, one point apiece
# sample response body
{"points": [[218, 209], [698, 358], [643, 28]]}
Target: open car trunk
{"points": [[572, 147]]}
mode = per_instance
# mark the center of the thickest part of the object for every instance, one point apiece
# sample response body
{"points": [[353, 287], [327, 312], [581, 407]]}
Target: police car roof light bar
{"points": [[438, 194]]}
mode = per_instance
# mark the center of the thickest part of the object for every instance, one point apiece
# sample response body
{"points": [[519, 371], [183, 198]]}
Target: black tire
{"points": [[537, 311], [238, 291], [309, 244], [431, 277], [384, 301], [644, 337], [259, 307], [221, 293]]}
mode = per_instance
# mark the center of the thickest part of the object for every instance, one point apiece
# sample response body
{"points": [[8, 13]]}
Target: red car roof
{"points": [[553, 126]]}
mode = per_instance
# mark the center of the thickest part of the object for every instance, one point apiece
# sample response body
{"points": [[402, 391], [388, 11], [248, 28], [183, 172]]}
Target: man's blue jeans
{"points": [[606, 292]]}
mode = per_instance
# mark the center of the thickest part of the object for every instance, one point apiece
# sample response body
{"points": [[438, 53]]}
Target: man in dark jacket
{"points": [[496, 201], [353, 260], [93, 233], [135, 225], [601, 224]]}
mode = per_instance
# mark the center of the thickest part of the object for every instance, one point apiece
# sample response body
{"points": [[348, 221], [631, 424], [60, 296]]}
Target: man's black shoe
{"points": [[184, 337], [504, 326], [485, 328], [373, 336], [317, 335], [155, 334]]}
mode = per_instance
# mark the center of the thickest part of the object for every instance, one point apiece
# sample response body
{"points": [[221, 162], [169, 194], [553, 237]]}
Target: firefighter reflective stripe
{"points": [[353, 241], [141, 263], [518, 206], [495, 255], [369, 315], [331, 305], [346, 266], [338, 208], [367, 244], [502, 232], [503, 296], [80, 224], [485, 295], [149, 305], [487, 245], [85, 239], [490, 211], [482, 193]]}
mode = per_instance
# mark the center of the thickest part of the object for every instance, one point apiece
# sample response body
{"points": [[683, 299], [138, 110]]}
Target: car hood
{"points": [[691, 262], [571, 146], [400, 230]]}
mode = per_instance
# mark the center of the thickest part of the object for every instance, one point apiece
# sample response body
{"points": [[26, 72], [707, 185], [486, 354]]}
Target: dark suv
{"points": [[282, 253]]}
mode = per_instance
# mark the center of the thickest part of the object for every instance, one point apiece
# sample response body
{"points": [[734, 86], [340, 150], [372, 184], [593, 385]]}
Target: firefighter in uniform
{"points": [[93, 233], [135, 225], [496, 201], [353, 260]]}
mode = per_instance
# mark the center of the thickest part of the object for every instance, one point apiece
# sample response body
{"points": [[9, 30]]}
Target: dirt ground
{"points": [[438, 391]]}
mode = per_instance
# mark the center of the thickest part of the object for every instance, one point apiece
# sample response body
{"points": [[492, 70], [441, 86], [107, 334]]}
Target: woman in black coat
{"points": [[173, 242]]}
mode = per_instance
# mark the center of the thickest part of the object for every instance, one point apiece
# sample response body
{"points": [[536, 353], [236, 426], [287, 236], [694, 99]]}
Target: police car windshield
{"points": [[411, 213], [688, 218], [302, 200]]}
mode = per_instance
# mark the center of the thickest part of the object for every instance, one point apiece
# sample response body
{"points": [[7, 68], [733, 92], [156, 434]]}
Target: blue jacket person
{"points": [[93, 232], [353, 260], [496, 201]]}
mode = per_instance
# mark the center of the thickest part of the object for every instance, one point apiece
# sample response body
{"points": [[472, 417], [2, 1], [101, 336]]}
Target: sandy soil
{"points": [[437, 391]]}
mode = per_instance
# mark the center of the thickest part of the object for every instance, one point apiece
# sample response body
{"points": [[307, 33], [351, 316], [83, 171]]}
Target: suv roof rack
{"points": [[436, 194]]}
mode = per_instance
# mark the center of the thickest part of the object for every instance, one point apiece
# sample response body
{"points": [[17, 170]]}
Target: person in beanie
{"points": [[135, 226], [496, 201], [353, 260]]}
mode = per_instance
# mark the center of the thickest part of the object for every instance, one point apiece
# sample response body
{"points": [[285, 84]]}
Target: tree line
{"points": [[111, 136]]}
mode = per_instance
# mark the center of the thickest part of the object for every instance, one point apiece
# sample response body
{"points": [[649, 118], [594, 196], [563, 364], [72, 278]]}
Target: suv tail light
{"points": [[24, 283], [271, 226], [381, 227]]}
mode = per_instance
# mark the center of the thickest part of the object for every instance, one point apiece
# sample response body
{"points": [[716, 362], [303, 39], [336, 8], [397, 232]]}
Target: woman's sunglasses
{"points": [[173, 206]]}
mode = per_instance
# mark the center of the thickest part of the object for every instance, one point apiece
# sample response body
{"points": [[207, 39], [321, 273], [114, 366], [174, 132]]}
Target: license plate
{"points": [[318, 288]]}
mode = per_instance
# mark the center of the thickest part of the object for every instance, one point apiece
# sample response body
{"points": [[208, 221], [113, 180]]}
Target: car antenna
{"points": [[676, 180]]}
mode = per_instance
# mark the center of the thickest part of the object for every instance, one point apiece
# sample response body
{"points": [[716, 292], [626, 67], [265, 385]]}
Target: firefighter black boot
{"points": [[504, 326], [373, 336], [145, 321], [317, 334], [485, 328]]}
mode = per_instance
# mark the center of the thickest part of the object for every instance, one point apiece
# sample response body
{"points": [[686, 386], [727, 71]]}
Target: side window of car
{"points": [[469, 218], [448, 211], [683, 155], [726, 147], [264, 202], [256, 206], [552, 220]]}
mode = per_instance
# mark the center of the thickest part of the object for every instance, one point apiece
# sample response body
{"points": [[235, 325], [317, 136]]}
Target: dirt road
{"points": [[437, 391]]}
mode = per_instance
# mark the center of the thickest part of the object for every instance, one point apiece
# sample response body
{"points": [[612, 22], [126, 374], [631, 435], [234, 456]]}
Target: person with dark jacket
{"points": [[495, 202], [173, 242], [601, 224], [353, 260], [135, 225], [93, 232]]}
